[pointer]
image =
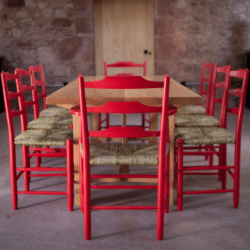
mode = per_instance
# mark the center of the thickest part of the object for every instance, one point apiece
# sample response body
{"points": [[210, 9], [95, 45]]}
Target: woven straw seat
{"points": [[196, 121], [48, 137], [51, 123], [114, 154], [192, 110], [55, 112], [204, 136]]}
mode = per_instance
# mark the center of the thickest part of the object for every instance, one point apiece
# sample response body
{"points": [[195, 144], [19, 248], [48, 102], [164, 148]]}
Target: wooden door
{"points": [[124, 29]]}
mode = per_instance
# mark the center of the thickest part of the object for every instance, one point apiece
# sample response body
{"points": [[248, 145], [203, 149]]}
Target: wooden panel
{"points": [[150, 33], [127, 28]]}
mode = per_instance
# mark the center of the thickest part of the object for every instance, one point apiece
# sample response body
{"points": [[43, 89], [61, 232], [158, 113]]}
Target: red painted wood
{"points": [[124, 64], [206, 68], [29, 152], [124, 132], [221, 151]]}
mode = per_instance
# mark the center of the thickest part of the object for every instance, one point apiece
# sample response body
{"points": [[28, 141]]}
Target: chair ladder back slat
{"points": [[125, 64], [39, 82], [208, 79]]}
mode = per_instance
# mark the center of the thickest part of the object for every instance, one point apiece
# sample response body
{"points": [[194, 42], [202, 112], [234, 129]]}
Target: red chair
{"points": [[206, 77], [38, 81], [213, 136], [53, 120], [124, 64], [35, 144], [208, 120], [113, 154]]}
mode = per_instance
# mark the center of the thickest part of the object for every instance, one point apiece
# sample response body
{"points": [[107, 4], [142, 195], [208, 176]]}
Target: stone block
{"points": [[27, 22], [22, 14], [47, 13], [46, 55], [68, 48], [85, 68], [42, 5], [29, 57], [30, 3], [170, 48], [164, 7], [60, 13], [84, 25], [164, 26], [86, 53], [83, 6], [61, 22], [9, 23], [17, 33], [56, 69]]}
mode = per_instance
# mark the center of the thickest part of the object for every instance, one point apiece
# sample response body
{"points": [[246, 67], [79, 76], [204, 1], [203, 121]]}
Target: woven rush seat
{"points": [[204, 135], [196, 121], [48, 137], [55, 111], [114, 154], [192, 110], [51, 123]]}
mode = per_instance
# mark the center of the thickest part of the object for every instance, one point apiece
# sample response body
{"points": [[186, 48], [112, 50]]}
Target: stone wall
{"points": [[188, 32], [59, 34]]}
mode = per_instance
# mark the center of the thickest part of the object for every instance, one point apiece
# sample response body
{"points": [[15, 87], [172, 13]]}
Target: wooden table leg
{"points": [[76, 130], [171, 160]]}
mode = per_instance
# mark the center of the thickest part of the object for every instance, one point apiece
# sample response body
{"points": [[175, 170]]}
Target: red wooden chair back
{"points": [[125, 64], [242, 74], [119, 82], [206, 76], [8, 78], [39, 81], [29, 89], [224, 85]]}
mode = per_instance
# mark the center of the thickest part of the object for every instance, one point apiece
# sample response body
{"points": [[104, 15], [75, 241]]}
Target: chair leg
{"points": [[81, 181], [26, 164], [87, 202], [160, 202], [236, 193], [166, 185], [13, 176], [70, 174], [222, 162], [180, 176]]}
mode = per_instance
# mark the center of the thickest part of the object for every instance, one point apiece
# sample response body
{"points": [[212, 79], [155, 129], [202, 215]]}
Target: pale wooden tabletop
{"points": [[68, 96]]}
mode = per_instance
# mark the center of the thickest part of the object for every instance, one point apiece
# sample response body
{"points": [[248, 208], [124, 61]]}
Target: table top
{"points": [[68, 96]]}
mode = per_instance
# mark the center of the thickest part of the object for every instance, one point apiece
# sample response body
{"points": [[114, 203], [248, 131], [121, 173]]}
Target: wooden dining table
{"points": [[68, 97]]}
